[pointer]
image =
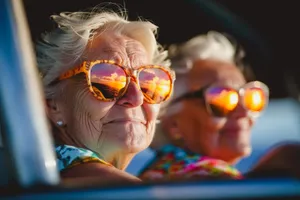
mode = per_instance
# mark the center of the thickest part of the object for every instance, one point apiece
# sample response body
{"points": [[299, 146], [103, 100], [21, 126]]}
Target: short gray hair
{"points": [[213, 45], [62, 48]]}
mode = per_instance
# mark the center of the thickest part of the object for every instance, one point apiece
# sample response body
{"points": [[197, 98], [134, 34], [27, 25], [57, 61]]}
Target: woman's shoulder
{"points": [[87, 167], [70, 156]]}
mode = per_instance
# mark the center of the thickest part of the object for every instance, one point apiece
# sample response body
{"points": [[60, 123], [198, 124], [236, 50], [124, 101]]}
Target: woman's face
{"points": [[224, 138], [115, 128]]}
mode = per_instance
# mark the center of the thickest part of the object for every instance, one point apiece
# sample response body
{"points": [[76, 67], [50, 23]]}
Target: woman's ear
{"points": [[54, 112]]}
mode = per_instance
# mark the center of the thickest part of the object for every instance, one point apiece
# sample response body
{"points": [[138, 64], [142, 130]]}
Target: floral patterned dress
{"points": [[70, 156], [172, 162]]}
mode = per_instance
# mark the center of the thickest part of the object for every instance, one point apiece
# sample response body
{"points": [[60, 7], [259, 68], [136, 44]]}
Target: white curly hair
{"points": [[64, 47]]}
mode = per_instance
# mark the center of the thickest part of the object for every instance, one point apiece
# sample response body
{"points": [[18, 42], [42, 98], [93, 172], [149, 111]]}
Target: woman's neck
{"points": [[121, 162], [118, 159], [61, 137]]}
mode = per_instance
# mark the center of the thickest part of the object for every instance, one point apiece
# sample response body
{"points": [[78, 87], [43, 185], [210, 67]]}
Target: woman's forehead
{"points": [[213, 72], [121, 49]]}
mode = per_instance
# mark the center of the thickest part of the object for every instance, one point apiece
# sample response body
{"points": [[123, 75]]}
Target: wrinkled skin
{"points": [[190, 122], [116, 130]]}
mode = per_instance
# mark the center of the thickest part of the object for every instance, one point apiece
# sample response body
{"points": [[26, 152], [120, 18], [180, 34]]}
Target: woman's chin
{"points": [[132, 139], [134, 142], [242, 152], [134, 145], [243, 148], [235, 153]]}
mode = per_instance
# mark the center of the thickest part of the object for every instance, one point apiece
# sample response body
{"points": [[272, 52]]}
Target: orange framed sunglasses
{"points": [[220, 101], [108, 81]]}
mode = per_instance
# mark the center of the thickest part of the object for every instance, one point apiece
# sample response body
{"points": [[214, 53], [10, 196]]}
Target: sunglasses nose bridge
{"points": [[132, 79], [240, 110], [132, 75], [241, 96], [238, 107], [240, 103]]}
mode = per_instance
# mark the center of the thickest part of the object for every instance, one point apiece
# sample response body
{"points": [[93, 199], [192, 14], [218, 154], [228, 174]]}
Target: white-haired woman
{"points": [[104, 79], [205, 128]]}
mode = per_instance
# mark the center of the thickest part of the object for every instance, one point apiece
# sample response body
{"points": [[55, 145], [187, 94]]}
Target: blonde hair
{"points": [[62, 48]]}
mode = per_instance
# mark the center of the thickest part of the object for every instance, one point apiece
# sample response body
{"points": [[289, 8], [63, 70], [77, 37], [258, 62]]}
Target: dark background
{"points": [[268, 31]]}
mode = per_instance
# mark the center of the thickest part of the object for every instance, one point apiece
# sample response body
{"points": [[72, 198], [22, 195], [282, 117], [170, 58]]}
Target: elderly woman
{"points": [[104, 79], [206, 127]]}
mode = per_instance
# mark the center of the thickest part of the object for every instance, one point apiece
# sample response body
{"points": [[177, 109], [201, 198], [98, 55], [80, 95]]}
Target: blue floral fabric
{"points": [[69, 156]]}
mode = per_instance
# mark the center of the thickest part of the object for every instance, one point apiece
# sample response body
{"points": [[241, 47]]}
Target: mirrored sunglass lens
{"points": [[155, 84], [221, 100], [108, 80], [255, 99]]}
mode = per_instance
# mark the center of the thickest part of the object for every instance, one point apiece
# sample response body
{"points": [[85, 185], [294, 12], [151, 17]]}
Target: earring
{"points": [[60, 123]]}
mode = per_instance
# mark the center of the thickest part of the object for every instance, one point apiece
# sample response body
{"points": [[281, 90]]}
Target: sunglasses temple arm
{"points": [[196, 94]]}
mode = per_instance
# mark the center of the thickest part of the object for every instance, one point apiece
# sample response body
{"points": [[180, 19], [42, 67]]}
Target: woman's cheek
{"points": [[218, 122], [151, 131], [151, 111], [98, 109]]}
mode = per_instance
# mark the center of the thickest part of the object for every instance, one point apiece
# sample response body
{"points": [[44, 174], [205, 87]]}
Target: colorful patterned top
{"points": [[70, 156], [172, 162]]}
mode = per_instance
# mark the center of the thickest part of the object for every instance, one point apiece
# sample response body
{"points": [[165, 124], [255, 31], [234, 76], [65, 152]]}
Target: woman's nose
{"points": [[133, 97], [239, 111]]}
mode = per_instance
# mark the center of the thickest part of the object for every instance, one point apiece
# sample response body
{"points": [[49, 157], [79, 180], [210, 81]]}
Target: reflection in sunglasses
{"points": [[225, 99], [111, 80], [110, 85], [254, 99], [154, 84]]}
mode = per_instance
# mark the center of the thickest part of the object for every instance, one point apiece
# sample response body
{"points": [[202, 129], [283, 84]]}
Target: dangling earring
{"points": [[60, 123]]}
